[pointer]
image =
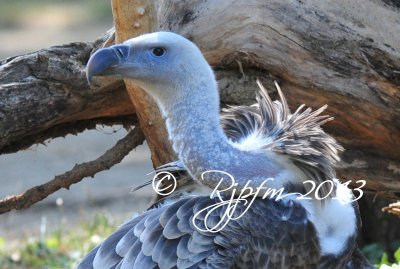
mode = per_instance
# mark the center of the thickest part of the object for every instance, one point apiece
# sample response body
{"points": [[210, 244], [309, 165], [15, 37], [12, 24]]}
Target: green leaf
{"points": [[397, 255], [373, 252], [385, 259], [2, 242]]}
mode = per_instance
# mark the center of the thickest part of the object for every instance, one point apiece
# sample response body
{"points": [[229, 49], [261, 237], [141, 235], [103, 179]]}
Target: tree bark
{"points": [[45, 95], [344, 54], [338, 53], [133, 18]]}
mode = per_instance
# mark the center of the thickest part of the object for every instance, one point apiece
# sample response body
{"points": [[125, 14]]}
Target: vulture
{"points": [[225, 214]]}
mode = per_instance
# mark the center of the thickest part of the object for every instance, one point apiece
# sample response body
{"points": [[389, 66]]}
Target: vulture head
{"points": [[163, 63]]}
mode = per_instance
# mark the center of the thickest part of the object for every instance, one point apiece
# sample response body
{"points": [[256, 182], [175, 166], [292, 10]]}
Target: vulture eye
{"points": [[158, 51]]}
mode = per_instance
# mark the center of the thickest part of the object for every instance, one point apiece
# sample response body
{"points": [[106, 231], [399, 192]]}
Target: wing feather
{"points": [[154, 239]]}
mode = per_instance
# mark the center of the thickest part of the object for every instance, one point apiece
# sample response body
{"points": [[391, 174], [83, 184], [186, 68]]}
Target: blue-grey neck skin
{"points": [[193, 123]]}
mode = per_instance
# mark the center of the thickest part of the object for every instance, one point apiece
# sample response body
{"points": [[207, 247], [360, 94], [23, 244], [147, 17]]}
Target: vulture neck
{"points": [[193, 123]]}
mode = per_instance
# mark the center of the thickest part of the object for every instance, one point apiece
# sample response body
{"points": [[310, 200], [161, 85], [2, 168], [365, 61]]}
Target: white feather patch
{"points": [[253, 142], [335, 221]]}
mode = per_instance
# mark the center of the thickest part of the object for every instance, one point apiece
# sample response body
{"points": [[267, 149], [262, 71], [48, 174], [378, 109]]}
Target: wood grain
{"points": [[132, 18], [344, 54], [45, 95]]}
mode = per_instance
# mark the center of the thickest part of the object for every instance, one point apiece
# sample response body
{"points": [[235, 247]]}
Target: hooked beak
{"points": [[106, 62]]}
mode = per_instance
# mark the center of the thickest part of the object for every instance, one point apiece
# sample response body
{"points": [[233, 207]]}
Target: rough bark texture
{"points": [[45, 94], [76, 174], [133, 18], [344, 54]]}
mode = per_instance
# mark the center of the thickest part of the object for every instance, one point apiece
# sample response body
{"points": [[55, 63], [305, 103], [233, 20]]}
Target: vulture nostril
{"points": [[120, 53]]}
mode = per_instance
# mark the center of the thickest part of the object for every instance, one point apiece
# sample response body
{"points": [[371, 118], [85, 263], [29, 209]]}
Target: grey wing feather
{"points": [[109, 257], [87, 263], [271, 238]]}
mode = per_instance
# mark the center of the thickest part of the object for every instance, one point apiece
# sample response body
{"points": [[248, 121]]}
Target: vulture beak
{"points": [[105, 62]]}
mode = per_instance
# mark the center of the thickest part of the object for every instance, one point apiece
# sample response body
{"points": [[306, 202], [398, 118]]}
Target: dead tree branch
{"points": [[76, 174], [47, 90], [393, 208]]}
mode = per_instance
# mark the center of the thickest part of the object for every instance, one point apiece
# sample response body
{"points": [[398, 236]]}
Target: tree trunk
{"points": [[338, 53], [133, 18], [323, 52]]}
